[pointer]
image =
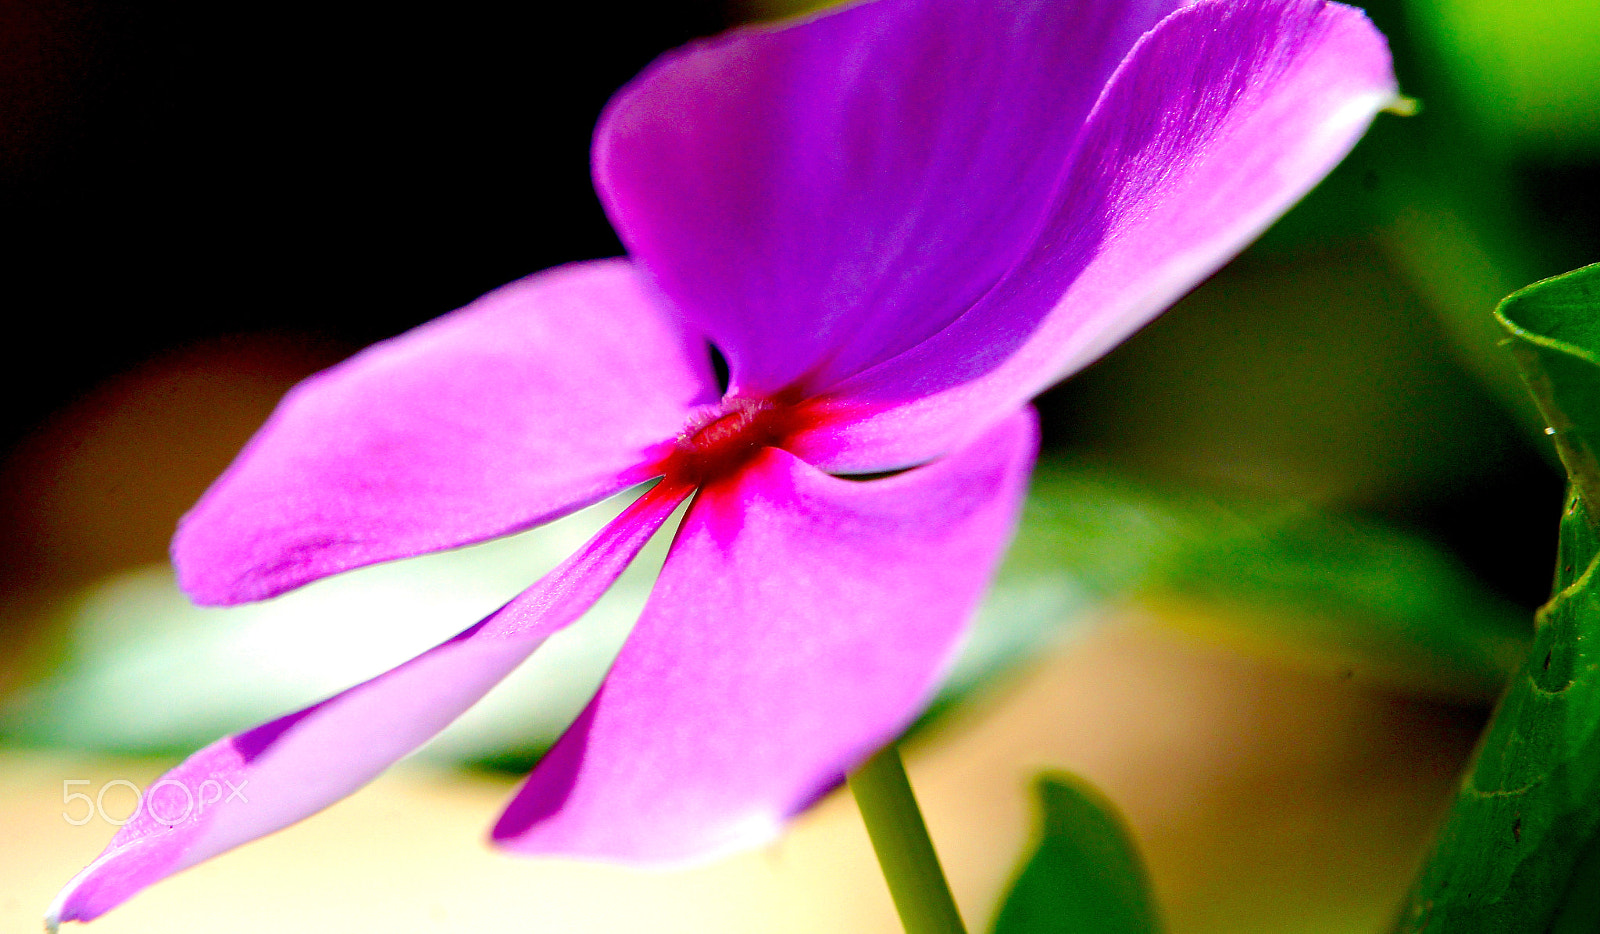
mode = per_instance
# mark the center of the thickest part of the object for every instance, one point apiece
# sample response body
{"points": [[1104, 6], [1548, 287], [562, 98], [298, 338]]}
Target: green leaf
{"points": [[1349, 598], [1086, 876], [1336, 594], [1555, 336], [1517, 852]]}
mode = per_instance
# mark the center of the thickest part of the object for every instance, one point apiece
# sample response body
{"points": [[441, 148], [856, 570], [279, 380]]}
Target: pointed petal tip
{"points": [[83, 898], [218, 572], [115, 876], [216, 590], [199, 590], [63, 907], [59, 911]]}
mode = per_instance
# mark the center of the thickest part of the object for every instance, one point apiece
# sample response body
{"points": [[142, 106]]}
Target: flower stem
{"points": [[905, 852]]}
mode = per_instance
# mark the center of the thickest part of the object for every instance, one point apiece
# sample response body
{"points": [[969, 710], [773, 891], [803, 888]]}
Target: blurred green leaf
{"points": [[147, 672], [1345, 597], [1349, 598], [1516, 852], [1086, 876], [1529, 71]]}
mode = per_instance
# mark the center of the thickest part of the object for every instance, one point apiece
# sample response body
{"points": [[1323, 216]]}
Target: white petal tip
{"points": [[58, 907], [52, 915]]}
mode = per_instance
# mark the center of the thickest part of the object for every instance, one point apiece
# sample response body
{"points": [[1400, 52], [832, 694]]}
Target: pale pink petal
{"points": [[1222, 117], [801, 621], [539, 398], [823, 194], [249, 785]]}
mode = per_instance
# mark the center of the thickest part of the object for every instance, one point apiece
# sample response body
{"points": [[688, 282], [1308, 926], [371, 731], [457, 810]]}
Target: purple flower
{"points": [[900, 221]]}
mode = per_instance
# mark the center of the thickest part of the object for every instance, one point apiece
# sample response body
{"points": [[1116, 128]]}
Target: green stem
{"points": [[905, 852]]}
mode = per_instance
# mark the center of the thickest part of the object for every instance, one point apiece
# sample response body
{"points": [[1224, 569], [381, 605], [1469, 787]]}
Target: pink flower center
{"points": [[719, 441]]}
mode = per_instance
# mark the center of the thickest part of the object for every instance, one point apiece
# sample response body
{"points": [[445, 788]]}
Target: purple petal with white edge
{"points": [[823, 194], [801, 621], [1223, 116], [249, 785], [540, 398]]}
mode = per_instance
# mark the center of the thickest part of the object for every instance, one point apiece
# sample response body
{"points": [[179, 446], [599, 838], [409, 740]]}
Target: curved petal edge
{"points": [[1220, 119], [822, 193], [536, 400]]}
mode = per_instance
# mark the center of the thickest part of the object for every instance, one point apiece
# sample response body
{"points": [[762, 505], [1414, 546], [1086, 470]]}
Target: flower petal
{"points": [[539, 398], [246, 786], [801, 621], [1222, 117], [824, 194]]}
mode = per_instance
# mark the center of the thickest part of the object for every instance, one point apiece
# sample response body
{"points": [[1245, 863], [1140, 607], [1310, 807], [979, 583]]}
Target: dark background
{"points": [[199, 197], [174, 171]]}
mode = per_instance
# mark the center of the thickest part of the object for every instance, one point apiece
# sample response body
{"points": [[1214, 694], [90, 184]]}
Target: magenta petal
{"points": [[246, 786], [1223, 116], [539, 398], [824, 194], [800, 622]]}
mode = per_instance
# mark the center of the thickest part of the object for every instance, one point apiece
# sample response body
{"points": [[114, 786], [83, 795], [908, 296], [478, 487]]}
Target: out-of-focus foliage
{"points": [[1085, 877], [1512, 856], [147, 672], [1529, 73], [1348, 598], [1354, 599]]}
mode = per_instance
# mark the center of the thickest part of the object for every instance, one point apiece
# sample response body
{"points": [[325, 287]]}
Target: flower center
{"points": [[719, 441]]}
